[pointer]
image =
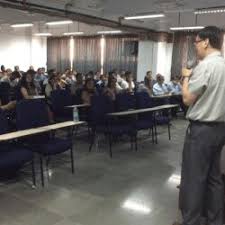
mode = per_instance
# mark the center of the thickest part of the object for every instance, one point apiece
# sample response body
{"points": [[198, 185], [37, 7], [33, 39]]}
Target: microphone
{"points": [[191, 64]]}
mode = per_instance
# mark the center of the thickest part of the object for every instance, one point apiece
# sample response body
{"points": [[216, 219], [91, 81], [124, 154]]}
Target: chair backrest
{"points": [[143, 100], [31, 113], [100, 106], [4, 92], [60, 99], [4, 126], [125, 101]]}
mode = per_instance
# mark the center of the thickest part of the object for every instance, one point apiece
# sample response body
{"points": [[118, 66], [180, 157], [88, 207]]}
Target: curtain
{"points": [[58, 54], [121, 54], [87, 54], [183, 51]]}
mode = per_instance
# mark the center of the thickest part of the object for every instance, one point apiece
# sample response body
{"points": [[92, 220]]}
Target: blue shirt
{"points": [[174, 88], [160, 89]]}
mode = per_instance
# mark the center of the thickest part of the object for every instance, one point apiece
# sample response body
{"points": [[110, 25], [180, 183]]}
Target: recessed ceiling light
{"points": [[151, 16], [55, 23], [208, 11], [22, 25], [73, 33], [187, 28], [110, 32], [43, 34]]}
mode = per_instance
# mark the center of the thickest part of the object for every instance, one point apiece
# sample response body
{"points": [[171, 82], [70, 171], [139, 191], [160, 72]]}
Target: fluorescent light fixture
{"points": [[43, 34], [110, 32], [136, 206], [73, 33], [175, 179], [144, 17], [22, 25], [186, 28], [56, 23], [208, 11]]}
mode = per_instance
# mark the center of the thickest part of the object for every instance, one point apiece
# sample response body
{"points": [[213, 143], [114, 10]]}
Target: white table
{"points": [[138, 111], [78, 106], [38, 130]]}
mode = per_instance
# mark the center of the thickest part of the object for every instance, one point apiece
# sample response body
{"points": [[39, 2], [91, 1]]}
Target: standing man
{"points": [[203, 90]]}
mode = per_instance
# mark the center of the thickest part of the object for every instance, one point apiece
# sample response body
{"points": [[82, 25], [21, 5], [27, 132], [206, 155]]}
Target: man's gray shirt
{"points": [[208, 83]]}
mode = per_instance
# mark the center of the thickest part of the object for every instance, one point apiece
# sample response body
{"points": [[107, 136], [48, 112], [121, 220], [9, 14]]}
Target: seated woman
{"points": [[149, 82], [88, 91], [51, 85], [130, 82], [112, 89], [27, 88]]}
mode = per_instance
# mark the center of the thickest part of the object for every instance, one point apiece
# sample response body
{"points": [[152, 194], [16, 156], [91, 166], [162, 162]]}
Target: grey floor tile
{"points": [[132, 188]]}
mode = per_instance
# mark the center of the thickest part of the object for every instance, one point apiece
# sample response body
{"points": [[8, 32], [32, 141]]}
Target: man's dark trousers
{"points": [[202, 187]]}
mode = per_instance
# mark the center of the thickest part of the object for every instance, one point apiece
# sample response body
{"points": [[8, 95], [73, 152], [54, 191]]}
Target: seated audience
{"points": [[27, 88], [17, 69], [15, 78], [142, 88], [121, 80], [9, 106], [149, 81], [7, 75], [3, 70], [52, 85], [102, 83], [130, 86], [97, 76], [160, 88], [88, 91], [112, 90], [39, 76], [174, 86], [70, 78]]}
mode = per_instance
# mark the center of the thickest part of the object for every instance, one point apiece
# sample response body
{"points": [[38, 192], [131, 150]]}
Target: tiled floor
{"points": [[132, 188]]}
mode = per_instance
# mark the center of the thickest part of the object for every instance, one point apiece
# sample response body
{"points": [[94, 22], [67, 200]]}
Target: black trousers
{"points": [[202, 187]]}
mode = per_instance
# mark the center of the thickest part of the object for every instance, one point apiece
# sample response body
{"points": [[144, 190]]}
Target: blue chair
{"points": [[13, 157], [32, 114], [101, 123], [145, 120], [58, 100], [4, 92], [125, 101]]}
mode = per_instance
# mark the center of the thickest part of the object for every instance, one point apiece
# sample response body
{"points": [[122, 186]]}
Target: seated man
{"points": [[160, 88], [174, 86], [176, 98]]}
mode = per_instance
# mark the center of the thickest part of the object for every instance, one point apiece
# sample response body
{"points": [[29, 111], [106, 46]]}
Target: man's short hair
{"points": [[214, 34]]}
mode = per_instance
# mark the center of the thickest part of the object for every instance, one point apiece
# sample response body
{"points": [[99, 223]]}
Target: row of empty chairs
{"points": [[31, 114]]}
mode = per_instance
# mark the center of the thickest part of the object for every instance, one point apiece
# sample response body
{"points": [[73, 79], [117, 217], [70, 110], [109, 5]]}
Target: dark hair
{"points": [[149, 71], [31, 72], [23, 81], [214, 34], [110, 80], [51, 71], [78, 75], [2, 68], [15, 75], [86, 82], [127, 75]]}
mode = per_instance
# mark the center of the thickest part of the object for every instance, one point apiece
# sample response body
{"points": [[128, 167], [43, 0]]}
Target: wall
{"points": [[22, 49], [154, 56]]}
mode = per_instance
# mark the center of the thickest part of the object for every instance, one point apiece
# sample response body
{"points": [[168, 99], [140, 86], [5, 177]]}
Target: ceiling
{"points": [[113, 10]]}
